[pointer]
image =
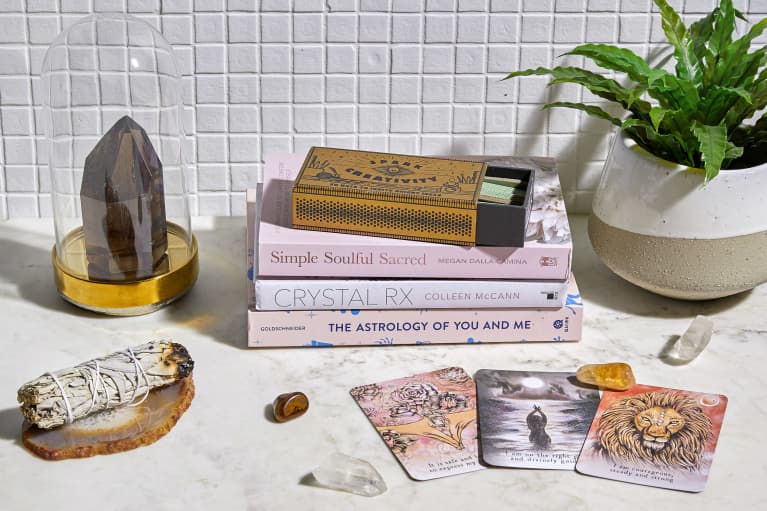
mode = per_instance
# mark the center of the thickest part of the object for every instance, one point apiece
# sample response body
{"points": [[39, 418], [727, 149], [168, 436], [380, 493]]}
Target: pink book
{"points": [[350, 327], [288, 252]]}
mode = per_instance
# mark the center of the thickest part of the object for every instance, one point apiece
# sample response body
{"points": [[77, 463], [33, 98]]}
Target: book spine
{"points": [[321, 294], [402, 327], [298, 260]]}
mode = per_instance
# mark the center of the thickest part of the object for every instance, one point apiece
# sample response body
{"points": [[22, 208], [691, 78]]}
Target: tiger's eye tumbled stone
{"points": [[613, 376], [290, 406]]}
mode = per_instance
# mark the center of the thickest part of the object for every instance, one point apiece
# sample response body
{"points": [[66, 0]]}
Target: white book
{"points": [[322, 294]]}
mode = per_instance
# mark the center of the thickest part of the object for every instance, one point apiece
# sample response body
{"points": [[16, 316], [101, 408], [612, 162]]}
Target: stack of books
{"points": [[313, 288]]}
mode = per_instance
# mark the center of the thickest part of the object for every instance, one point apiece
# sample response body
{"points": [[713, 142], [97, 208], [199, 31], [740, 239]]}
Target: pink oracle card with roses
{"points": [[429, 421]]}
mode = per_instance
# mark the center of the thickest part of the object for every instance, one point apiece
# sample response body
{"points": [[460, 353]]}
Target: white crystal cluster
{"points": [[548, 218]]}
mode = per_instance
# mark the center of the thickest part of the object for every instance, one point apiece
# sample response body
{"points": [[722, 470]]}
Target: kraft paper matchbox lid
{"points": [[441, 200]]}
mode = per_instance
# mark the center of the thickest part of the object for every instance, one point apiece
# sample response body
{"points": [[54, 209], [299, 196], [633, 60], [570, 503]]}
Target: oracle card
{"points": [[654, 436], [533, 419], [429, 421]]}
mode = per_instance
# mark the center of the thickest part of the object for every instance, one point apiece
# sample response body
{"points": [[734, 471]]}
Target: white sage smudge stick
{"points": [[122, 378]]}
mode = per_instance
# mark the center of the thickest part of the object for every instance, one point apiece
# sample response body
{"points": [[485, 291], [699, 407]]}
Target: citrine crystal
{"points": [[290, 406], [123, 206], [342, 472], [613, 376]]}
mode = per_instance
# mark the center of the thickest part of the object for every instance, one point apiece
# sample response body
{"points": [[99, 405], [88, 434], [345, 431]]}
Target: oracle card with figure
{"points": [[429, 421], [654, 436], [533, 419]]}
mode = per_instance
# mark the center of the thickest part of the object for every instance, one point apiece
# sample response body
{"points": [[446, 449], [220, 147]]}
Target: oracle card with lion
{"points": [[654, 436], [533, 419], [429, 421]]}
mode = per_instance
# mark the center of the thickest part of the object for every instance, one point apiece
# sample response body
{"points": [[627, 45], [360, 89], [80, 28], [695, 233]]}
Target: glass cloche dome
{"points": [[112, 110]]}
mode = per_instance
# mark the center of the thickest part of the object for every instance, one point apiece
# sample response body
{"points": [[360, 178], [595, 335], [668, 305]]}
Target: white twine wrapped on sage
{"points": [[121, 378]]}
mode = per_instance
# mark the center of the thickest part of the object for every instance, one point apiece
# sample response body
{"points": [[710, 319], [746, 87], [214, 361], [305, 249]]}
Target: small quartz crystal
{"points": [[342, 472], [290, 406], [693, 341], [612, 376]]}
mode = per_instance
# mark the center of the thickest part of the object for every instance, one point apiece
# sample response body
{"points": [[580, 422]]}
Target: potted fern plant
{"points": [[679, 209]]}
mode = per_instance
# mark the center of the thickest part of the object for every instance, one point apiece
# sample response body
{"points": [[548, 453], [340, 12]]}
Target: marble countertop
{"points": [[225, 453]]}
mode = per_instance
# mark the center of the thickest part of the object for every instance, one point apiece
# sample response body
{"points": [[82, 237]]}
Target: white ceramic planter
{"points": [[658, 225]]}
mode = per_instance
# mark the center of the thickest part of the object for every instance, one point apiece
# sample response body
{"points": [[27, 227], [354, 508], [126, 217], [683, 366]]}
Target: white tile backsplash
{"points": [[419, 76]]}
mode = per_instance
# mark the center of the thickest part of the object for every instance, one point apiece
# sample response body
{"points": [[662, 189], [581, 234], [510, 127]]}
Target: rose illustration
{"points": [[453, 375], [366, 392], [402, 411], [415, 393], [451, 400]]}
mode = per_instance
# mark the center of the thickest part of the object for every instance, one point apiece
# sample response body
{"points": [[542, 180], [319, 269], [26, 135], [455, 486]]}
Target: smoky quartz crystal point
{"points": [[123, 206]]}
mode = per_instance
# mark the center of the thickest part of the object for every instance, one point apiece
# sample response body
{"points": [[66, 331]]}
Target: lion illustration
{"points": [[654, 428]]}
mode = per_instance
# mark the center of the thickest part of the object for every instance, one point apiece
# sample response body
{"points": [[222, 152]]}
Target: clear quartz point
{"points": [[693, 341], [342, 472]]}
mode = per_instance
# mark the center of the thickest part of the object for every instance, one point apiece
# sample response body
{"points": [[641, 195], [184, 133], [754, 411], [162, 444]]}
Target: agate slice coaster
{"points": [[114, 430]]}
